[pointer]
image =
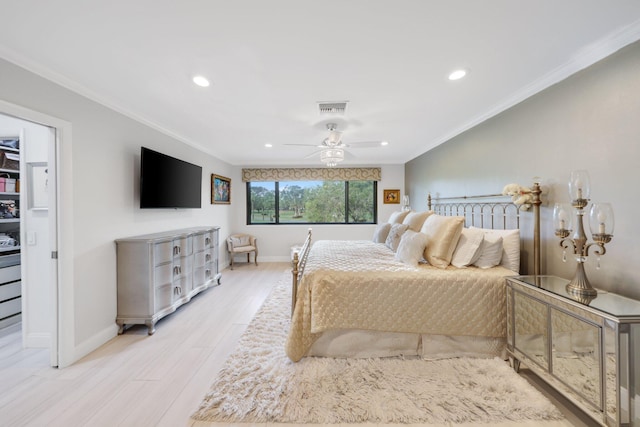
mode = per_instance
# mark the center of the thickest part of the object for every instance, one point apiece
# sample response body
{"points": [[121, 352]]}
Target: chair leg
{"points": [[255, 257], [231, 257]]}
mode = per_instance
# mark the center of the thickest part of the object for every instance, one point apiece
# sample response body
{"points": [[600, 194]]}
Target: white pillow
{"points": [[443, 233], [397, 217], [510, 247], [415, 220], [393, 239], [490, 251], [411, 247], [381, 233], [468, 249]]}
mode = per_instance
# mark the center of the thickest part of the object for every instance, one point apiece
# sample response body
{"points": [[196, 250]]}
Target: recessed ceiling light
{"points": [[201, 81], [457, 74], [268, 145], [384, 143]]}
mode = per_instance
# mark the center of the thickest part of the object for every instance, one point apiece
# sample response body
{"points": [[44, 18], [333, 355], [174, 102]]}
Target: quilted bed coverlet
{"points": [[359, 284]]}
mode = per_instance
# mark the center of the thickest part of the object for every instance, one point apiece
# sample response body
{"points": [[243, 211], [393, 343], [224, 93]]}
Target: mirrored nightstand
{"points": [[588, 349]]}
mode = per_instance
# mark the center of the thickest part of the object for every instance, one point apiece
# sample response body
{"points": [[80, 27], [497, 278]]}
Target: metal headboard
{"points": [[495, 213]]}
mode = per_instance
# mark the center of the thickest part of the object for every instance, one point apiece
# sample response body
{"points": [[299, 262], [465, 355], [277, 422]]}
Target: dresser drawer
{"points": [[164, 297], [183, 246], [201, 242], [201, 258], [182, 266], [163, 275], [162, 252]]}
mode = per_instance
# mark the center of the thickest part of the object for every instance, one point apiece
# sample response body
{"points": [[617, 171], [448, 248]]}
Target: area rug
{"points": [[259, 384]]}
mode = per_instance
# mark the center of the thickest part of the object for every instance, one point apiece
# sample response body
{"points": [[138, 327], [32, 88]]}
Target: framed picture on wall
{"points": [[220, 189], [392, 196]]}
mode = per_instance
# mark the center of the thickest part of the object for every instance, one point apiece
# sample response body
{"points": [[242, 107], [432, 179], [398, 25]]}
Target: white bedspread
{"points": [[359, 285]]}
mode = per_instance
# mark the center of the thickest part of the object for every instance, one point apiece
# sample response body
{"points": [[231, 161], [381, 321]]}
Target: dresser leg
{"points": [[151, 326]]}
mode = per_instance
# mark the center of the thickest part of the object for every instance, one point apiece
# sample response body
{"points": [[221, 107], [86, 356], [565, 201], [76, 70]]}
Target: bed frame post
{"points": [[297, 263], [294, 284], [535, 192]]}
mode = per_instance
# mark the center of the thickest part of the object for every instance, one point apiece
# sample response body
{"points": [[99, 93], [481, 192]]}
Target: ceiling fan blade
{"points": [[314, 154], [365, 144], [348, 155], [304, 145]]}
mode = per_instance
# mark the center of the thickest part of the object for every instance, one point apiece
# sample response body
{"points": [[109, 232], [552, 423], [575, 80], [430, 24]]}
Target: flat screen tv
{"points": [[167, 182]]}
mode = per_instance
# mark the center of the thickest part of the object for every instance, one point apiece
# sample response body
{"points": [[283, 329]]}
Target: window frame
{"points": [[277, 205]]}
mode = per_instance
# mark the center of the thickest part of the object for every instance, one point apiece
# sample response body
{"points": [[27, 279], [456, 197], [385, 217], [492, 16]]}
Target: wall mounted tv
{"points": [[167, 182]]}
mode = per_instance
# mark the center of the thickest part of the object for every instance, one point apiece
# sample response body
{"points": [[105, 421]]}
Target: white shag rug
{"points": [[259, 384]]}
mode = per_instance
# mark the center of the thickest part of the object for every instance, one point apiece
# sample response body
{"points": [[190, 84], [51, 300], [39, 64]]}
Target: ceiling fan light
{"points": [[332, 156], [334, 137]]}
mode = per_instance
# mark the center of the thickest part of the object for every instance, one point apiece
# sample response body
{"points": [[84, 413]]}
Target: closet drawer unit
{"points": [[11, 307], [10, 274], [10, 290]]}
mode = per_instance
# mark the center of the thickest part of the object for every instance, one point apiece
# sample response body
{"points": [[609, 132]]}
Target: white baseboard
{"points": [[94, 342], [37, 340]]}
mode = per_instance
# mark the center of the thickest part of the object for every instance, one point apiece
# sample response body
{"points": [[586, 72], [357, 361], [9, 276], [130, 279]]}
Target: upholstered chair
{"points": [[242, 244]]}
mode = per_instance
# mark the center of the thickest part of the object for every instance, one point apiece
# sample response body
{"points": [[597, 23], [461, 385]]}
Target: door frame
{"points": [[62, 349]]}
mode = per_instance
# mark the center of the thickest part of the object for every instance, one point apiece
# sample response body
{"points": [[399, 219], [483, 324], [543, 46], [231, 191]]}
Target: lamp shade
{"points": [[562, 214], [579, 186], [601, 219]]}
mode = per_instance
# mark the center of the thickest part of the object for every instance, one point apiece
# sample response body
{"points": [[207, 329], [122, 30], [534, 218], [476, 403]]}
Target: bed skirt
{"points": [[354, 343]]}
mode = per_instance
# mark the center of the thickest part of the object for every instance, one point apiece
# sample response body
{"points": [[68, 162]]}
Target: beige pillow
{"points": [[381, 233], [411, 247], [415, 220], [398, 217], [393, 239], [443, 233]]}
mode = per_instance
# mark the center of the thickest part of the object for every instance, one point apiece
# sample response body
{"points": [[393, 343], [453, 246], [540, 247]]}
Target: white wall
{"points": [[100, 170], [588, 121], [275, 241]]}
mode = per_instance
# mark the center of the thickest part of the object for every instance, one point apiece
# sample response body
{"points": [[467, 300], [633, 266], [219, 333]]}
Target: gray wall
{"points": [[589, 121], [100, 168]]}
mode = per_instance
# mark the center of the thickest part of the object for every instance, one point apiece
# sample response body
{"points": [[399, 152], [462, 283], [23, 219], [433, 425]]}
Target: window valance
{"points": [[311, 174]]}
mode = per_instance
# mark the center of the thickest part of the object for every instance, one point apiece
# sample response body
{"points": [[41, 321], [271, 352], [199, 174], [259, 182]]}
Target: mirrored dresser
{"points": [[589, 350]]}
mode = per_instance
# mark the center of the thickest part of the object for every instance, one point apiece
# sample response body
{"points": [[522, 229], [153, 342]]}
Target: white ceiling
{"points": [[271, 61]]}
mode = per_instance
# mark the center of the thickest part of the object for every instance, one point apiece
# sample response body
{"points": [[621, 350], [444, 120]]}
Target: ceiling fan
{"points": [[332, 149]]}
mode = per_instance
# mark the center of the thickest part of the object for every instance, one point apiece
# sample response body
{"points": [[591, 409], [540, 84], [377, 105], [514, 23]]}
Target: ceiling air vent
{"points": [[332, 107]]}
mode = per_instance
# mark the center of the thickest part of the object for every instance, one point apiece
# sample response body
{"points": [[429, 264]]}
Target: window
{"points": [[311, 202]]}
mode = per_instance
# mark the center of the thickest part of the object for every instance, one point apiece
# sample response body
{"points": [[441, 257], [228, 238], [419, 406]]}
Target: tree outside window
{"points": [[311, 202]]}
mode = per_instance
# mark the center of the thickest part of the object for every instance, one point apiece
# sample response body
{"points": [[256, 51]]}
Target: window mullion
{"points": [[346, 202]]}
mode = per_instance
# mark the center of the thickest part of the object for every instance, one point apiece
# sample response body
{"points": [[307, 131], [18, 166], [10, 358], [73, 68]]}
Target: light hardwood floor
{"points": [[137, 380]]}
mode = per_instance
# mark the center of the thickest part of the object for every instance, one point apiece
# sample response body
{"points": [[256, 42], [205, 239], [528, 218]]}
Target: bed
{"points": [[357, 299]]}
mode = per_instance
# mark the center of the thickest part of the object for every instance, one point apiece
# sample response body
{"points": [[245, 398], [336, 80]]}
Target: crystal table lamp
{"points": [[601, 224]]}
